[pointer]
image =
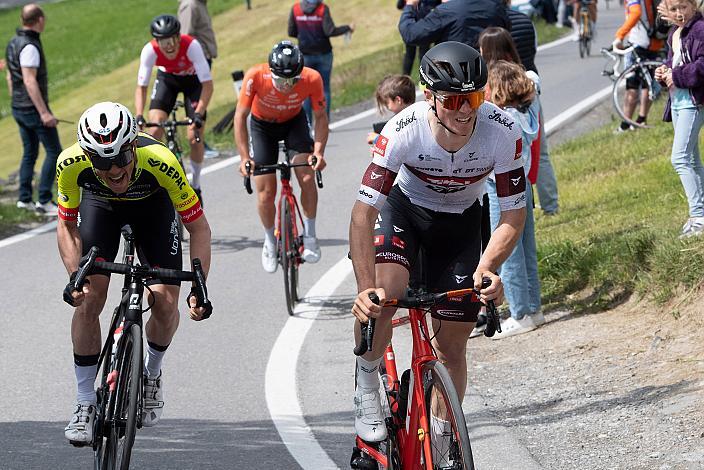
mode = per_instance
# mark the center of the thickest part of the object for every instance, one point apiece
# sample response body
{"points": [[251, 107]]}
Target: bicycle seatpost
{"points": [[367, 330]]}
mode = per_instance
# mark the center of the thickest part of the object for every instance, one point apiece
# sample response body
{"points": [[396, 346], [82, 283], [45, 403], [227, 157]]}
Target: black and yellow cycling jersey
{"points": [[156, 168]]}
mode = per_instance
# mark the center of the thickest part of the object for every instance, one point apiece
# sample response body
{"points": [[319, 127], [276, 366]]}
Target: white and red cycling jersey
{"points": [[190, 60], [406, 153]]}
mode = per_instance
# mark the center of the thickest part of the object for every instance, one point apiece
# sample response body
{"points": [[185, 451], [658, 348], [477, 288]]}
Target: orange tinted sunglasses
{"points": [[455, 102]]}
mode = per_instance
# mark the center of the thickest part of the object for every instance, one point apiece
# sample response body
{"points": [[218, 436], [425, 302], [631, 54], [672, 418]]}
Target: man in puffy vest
{"points": [[28, 87], [310, 22]]}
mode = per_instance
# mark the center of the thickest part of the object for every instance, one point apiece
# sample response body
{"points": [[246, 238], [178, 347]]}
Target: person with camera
{"points": [[183, 68]]}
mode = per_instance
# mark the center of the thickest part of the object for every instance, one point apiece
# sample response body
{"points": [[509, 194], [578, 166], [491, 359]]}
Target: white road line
{"points": [[557, 42], [558, 121], [29, 234], [280, 382]]}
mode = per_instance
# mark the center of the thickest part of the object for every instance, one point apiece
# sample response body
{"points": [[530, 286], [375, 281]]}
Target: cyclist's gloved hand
{"points": [[198, 120], [198, 312], [71, 288], [140, 120]]}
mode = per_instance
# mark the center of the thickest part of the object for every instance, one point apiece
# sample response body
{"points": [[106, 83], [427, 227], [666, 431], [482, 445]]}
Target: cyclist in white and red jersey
{"points": [[424, 189], [183, 68]]}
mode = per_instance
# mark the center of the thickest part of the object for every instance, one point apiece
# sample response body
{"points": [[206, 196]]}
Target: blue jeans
{"points": [[519, 273], [546, 183], [32, 132], [323, 64], [685, 156]]}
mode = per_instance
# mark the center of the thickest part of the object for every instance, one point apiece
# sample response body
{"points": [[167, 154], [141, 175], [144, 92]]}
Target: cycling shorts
{"points": [[264, 138], [636, 80], [452, 244], [153, 221], [167, 86]]}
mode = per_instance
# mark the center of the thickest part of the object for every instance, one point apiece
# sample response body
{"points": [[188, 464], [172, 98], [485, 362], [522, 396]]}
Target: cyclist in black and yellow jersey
{"points": [[115, 176]]}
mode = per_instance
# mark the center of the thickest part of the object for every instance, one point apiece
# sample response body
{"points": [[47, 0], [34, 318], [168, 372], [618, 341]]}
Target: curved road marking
{"points": [[280, 382]]}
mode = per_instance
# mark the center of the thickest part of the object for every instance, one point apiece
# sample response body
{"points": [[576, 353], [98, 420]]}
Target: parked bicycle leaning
{"points": [[116, 176]]}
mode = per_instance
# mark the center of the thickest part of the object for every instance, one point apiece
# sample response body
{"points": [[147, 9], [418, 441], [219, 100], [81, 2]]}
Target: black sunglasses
{"points": [[121, 160]]}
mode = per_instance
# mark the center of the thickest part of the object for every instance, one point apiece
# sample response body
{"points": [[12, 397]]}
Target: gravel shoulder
{"points": [[620, 389]]}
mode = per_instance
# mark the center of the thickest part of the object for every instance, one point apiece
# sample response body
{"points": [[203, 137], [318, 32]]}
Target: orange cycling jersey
{"points": [[269, 104]]}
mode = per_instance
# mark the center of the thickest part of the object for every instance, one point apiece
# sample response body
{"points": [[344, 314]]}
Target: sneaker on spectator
{"points": [[538, 318], [30, 205], [480, 326], [693, 228], [210, 152], [512, 327], [49, 209], [620, 129]]}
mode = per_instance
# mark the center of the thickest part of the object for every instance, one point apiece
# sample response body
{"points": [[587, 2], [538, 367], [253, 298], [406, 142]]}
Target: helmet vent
{"points": [[103, 120], [465, 71]]}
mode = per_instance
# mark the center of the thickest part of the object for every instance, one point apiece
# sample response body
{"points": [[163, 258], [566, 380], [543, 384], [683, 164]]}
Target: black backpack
{"points": [[657, 27]]}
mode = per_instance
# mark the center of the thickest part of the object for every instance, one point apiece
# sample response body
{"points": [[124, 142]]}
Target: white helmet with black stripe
{"points": [[105, 128]]}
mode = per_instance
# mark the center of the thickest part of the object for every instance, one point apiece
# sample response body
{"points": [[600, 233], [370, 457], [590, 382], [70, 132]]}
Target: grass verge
{"points": [[622, 207]]}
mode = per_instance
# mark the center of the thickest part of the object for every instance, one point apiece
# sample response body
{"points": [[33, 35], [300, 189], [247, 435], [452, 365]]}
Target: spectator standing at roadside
{"points": [[682, 75], [456, 20], [515, 91], [424, 7], [310, 22], [28, 86], [195, 21], [525, 39]]}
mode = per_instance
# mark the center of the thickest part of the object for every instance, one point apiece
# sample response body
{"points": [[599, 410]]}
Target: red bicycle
{"points": [[412, 443], [289, 242]]}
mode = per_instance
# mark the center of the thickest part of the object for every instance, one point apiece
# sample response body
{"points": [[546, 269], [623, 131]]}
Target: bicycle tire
{"points": [[101, 409], [288, 262], [458, 449], [124, 401], [619, 89]]}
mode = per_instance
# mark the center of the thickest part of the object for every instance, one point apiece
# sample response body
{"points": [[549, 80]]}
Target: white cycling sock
{"points": [[269, 237], [85, 378], [368, 373], [195, 179], [309, 227], [152, 364]]}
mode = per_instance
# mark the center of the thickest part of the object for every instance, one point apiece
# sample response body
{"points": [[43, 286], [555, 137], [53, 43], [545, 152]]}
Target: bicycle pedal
{"points": [[361, 461], [80, 443]]}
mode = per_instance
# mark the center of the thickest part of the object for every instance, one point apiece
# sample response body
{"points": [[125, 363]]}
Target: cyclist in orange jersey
{"points": [[274, 93]]}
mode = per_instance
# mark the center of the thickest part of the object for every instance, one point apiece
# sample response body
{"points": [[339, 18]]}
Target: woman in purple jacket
{"points": [[683, 74]]}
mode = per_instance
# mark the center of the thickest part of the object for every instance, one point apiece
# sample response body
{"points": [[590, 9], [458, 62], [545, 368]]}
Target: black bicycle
{"points": [[170, 127], [288, 216], [119, 397]]}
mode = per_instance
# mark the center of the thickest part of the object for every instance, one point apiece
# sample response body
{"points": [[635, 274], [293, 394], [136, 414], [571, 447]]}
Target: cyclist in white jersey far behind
{"points": [[439, 152]]}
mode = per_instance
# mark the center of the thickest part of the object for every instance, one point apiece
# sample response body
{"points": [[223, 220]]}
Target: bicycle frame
{"points": [[287, 193], [411, 429]]}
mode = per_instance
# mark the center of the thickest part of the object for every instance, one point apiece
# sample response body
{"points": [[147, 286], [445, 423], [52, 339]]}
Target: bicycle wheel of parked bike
{"points": [[449, 440], [645, 71], [121, 419], [289, 263]]}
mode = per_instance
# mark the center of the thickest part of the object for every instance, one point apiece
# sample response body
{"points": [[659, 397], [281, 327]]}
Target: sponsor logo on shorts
{"points": [[397, 229], [390, 256], [450, 313], [398, 243], [378, 240], [460, 279]]}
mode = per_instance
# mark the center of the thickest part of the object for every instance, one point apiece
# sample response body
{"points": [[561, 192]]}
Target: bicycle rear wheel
{"points": [[124, 401], [645, 71], [449, 440], [289, 253]]}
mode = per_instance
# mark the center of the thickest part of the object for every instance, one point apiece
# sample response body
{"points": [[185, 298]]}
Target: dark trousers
{"points": [[32, 132], [410, 56]]}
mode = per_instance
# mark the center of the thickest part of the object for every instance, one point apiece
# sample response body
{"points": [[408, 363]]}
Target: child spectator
{"points": [[682, 75], [394, 94], [515, 91]]}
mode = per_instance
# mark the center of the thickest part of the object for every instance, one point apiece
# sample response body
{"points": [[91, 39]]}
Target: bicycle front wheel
{"points": [[449, 440], [626, 102], [124, 401], [289, 263]]}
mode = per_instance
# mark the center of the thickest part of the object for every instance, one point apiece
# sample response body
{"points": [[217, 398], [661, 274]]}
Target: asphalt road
{"points": [[217, 413]]}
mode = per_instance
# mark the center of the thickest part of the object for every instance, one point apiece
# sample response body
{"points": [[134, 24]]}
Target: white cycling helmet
{"points": [[105, 128]]}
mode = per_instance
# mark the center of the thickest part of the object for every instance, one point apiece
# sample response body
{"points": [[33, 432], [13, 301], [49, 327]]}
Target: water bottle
{"points": [[347, 37]]}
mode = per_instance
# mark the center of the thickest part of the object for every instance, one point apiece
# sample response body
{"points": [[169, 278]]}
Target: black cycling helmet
{"points": [[165, 26], [454, 67], [286, 60]]}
